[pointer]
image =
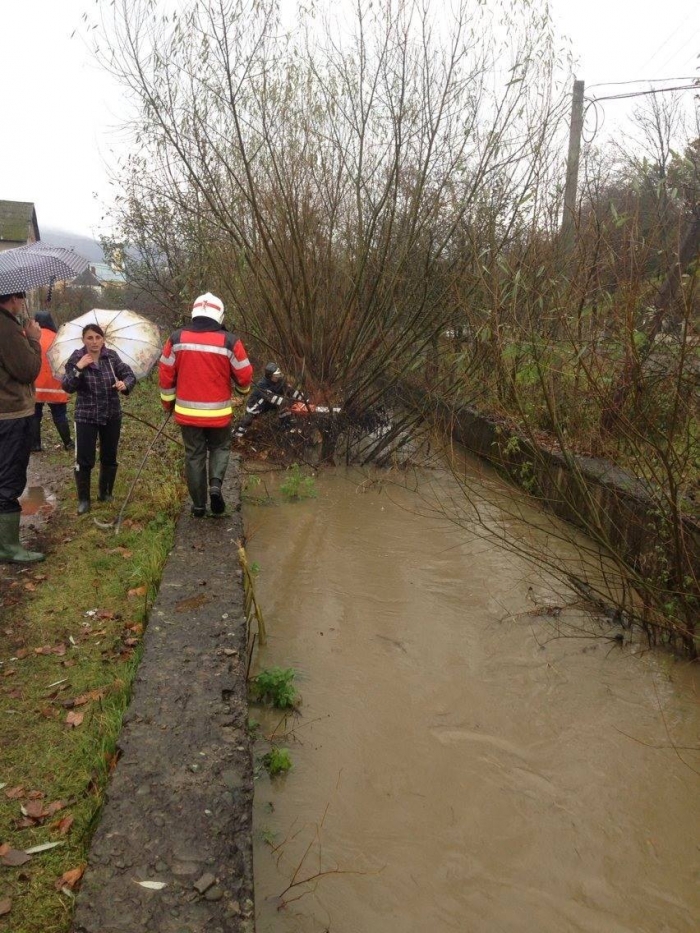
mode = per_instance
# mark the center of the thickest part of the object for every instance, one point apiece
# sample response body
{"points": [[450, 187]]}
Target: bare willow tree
{"points": [[545, 357], [332, 180]]}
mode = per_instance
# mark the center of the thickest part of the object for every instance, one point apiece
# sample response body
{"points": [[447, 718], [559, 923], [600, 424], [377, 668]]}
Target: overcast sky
{"points": [[59, 111]]}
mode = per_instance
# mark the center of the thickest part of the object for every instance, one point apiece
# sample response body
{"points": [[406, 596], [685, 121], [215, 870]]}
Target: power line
{"points": [[643, 81], [657, 90], [683, 22], [678, 51]]}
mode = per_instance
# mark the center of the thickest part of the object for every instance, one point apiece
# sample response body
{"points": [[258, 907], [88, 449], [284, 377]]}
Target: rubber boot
{"points": [[63, 429], [36, 435], [82, 483], [107, 477], [216, 499], [11, 550]]}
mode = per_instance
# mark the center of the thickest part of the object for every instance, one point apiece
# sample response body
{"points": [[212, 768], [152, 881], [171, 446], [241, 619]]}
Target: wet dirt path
{"points": [[457, 765]]}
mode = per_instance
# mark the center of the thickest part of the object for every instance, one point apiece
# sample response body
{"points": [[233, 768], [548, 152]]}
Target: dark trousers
{"points": [[216, 442], [58, 411], [86, 435], [15, 446]]}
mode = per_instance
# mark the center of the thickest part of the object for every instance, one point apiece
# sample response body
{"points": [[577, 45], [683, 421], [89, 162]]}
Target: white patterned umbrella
{"points": [[37, 264], [136, 339]]}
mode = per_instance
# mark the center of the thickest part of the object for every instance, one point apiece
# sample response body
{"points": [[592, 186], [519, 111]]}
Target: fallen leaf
{"points": [[39, 576], [14, 858], [70, 878], [14, 793], [138, 591], [152, 885], [15, 694], [22, 653], [26, 823], [63, 826], [54, 807], [30, 586], [5, 906], [74, 719], [34, 810], [131, 642], [4, 849], [35, 794], [48, 713], [44, 847], [111, 759]]}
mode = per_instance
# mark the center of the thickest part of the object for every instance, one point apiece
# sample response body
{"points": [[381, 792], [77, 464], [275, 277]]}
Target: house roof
{"points": [[15, 218], [85, 279], [106, 274]]}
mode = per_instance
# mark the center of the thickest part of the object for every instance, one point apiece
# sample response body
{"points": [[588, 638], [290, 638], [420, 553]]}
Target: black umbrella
{"points": [[37, 264]]}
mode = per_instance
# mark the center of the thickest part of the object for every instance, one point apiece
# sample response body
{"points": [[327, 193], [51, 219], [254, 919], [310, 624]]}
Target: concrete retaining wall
{"points": [[178, 812], [581, 490]]}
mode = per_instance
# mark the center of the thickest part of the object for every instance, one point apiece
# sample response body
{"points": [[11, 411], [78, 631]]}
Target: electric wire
{"points": [[642, 81]]}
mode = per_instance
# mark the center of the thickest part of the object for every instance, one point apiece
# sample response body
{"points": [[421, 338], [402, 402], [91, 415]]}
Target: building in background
{"points": [[97, 276], [18, 224]]}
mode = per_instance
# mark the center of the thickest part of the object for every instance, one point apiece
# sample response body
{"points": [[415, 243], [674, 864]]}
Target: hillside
{"points": [[85, 245]]}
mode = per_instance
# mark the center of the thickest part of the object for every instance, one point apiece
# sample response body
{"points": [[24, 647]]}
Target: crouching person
{"points": [[199, 364], [269, 394]]}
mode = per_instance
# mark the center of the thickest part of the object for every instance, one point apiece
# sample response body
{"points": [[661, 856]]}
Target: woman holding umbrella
{"points": [[97, 376]]}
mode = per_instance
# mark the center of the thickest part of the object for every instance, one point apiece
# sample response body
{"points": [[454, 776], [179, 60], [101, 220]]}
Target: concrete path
{"points": [[179, 805]]}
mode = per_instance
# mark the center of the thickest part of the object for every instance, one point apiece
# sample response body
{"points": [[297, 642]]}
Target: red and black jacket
{"points": [[198, 365]]}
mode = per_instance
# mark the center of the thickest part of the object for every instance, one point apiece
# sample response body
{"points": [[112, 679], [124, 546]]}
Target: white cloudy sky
{"points": [[59, 112]]}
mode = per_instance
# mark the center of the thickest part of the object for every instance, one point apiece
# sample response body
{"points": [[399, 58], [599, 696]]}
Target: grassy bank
{"points": [[69, 647]]}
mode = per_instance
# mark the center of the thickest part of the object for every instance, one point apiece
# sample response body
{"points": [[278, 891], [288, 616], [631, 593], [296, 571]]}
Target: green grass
{"points": [[274, 685], [277, 761], [86, 569], [298, 485]]}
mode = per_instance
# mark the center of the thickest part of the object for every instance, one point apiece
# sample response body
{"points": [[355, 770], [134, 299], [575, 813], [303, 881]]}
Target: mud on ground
{"points": [[173, 850]]}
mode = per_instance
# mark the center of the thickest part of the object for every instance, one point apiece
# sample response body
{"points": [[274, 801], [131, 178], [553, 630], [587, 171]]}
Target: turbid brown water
{"points": [[458, 763]]}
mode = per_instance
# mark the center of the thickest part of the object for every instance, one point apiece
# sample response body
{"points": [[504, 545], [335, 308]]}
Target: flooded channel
{"points": [[462, 760]]}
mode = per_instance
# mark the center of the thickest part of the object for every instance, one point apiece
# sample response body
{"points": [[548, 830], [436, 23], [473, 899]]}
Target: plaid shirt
{"points": [[97, 402]]}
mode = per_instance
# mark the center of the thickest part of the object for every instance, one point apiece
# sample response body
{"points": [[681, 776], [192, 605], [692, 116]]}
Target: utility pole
{"points": [[575, 130]]}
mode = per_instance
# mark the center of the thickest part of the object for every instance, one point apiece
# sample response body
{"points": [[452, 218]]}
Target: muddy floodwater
{"points": [[463, 759]]}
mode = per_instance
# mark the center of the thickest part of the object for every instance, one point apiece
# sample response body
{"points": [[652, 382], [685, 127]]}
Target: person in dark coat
{"points": [[48, 389], [20, 362], [98, 376], [269, 394]]}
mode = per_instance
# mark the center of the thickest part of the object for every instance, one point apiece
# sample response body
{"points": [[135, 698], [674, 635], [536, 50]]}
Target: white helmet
{"points": [[209, 305]]}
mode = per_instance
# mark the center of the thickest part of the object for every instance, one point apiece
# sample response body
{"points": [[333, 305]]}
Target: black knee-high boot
{"points": [[82, 482], [107, 476]]}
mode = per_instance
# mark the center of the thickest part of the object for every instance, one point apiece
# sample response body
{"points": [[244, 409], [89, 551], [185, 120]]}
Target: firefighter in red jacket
{"points": [[198, 365]]}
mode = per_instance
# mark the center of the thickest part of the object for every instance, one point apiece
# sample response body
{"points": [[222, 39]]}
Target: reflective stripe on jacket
{"points": [[198, 365], [47, 387]]}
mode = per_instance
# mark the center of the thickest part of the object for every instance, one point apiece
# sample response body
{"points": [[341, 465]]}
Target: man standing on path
{"points": [[198, 365], [20, 363]]}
